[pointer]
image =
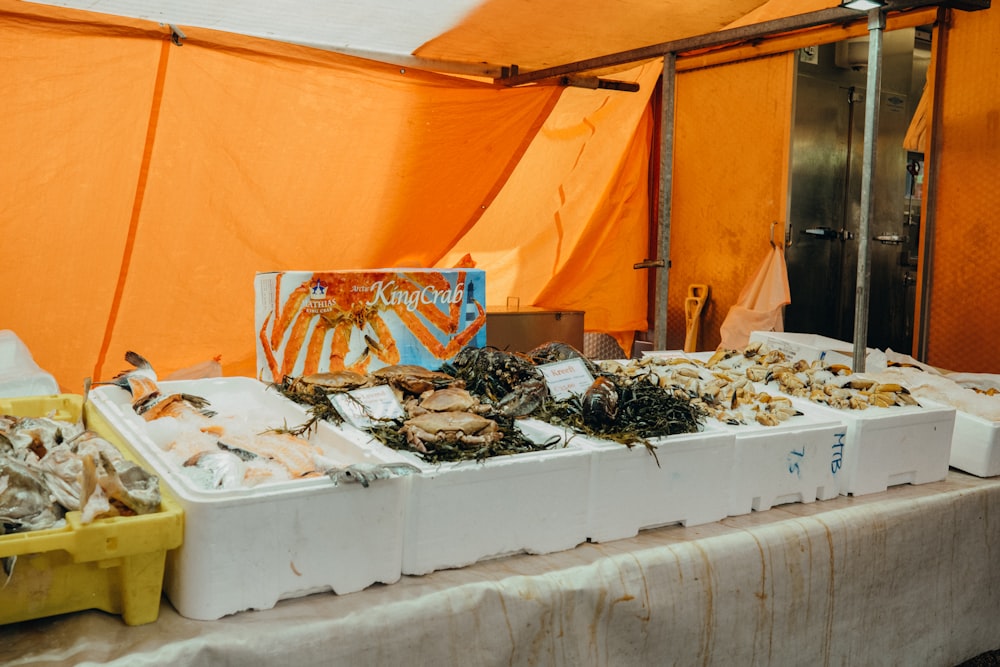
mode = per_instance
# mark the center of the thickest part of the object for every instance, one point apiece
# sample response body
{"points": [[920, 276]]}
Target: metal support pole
{"points": [[662, 275], [876, 25]]}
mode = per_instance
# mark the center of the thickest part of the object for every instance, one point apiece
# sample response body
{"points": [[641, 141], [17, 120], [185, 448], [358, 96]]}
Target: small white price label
{"points": [[362, 407], [565, 378]]}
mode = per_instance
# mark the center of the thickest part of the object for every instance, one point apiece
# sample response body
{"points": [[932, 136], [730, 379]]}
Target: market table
{"points": [[907, 576]]}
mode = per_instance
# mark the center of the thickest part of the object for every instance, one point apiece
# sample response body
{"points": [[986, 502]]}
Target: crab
{"points": [[559, 351], [324, 313], [413, 379], [524, 399], [449, 399], [491, 372], [450, 427], [329, 382]]}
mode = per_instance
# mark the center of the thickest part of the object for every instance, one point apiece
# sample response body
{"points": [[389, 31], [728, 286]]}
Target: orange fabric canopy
{"points": [[154, 180]]}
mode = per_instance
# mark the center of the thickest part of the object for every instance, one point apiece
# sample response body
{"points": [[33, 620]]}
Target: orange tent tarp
{"points": [[153, 180]]}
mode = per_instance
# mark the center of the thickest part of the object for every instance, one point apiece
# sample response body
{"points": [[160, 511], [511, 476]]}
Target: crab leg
{"points": [[449, 323], [340, 345], [419, 329], [290, 310], [386, 349], [272, 363], [314, 348], [298, 336]]}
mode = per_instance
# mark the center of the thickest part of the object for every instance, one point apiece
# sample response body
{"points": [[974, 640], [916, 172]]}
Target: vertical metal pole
{"points": [[666, 179], [928, 219], [876, 25]]}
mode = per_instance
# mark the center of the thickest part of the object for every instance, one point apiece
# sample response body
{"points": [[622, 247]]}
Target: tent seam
{"points": [[140, 191]]}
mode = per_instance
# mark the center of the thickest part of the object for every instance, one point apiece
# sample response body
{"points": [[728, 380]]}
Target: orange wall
{"points": [[964, 302], [730, 172]]}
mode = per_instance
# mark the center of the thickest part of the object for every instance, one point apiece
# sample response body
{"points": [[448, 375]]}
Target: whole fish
{"points": [[140, 381], [366, 473]]}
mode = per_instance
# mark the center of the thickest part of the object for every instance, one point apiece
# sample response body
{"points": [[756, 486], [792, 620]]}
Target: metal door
{"points": [[825, 193]]}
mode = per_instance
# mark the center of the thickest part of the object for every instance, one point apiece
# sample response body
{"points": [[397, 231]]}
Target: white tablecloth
{"points": [[906, 577]]}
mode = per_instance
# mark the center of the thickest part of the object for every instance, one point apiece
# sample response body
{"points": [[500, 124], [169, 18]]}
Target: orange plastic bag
{"points": [[759, 306]]}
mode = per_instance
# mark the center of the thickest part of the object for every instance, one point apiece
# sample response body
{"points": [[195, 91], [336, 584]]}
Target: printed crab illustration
{"points": [[322, 315]]}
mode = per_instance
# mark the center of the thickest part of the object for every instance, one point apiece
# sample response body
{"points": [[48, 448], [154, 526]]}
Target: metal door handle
{"points": [[890, 239], [829, 234], [822, 232]]}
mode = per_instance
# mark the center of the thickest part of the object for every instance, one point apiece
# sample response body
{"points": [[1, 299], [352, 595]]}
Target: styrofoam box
{"points": [[975, 445], [786, 463], [883, 447], [463, 512], [19, 374], [629, 492], [248, 548], [808, 347]]}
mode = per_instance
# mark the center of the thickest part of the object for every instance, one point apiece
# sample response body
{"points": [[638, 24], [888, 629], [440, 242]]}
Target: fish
{"points": [[226, 470], [25, 501], [140, 381], [366, 473], [74, 468], [148, 400], [296, 455]]}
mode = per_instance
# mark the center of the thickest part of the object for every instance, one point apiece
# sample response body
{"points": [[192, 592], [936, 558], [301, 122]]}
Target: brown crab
{"points": [[413, 379], [449, 399], [449, 427], [329, 382]]}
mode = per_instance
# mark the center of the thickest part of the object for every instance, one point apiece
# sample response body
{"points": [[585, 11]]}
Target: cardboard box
{"points": [[307, 322], [114, 564], [251, 547]]}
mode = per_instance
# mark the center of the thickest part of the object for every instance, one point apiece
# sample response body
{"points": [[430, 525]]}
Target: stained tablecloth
{"points": [[905, 577]]}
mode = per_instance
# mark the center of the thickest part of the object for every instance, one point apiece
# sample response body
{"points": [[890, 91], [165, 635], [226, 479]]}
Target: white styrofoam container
{"points": [[975, 445], [883, 447], [786, 463], [248, 548], [629, 492], [19, 374], [463, 512]]}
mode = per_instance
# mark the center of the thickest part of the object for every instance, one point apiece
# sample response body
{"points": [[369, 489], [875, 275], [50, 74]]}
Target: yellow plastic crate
{"points": [[113, 564]]}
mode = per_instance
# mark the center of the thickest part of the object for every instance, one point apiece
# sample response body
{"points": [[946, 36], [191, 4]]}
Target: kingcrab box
{"points": [[247, 548], [361, 320]]}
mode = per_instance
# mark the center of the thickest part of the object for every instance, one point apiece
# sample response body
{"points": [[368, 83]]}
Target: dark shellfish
{"points": [[599, 404]]}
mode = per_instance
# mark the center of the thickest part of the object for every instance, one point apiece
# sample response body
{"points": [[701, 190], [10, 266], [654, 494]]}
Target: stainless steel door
{"points": [[825, 193]]}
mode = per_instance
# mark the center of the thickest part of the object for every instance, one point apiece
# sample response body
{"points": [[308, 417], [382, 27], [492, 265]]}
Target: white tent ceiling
{"points": [[386, 27], [463, 36]]}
